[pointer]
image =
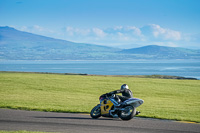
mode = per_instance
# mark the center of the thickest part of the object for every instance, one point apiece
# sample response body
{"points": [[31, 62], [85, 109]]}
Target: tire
{"points": [[95, 112], [128, 113]]}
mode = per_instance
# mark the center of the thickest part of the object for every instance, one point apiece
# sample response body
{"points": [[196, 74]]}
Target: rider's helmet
{"points": [[124, 86]]}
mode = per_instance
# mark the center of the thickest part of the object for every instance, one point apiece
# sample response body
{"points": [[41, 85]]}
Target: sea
{"points": [[184, 68]]}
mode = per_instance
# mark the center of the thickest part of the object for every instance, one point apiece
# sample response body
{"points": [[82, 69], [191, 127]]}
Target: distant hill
{"points": [[162, 52], [19, 45]]}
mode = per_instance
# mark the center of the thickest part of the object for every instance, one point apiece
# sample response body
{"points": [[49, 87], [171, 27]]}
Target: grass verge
{"points": [[164, 98]]}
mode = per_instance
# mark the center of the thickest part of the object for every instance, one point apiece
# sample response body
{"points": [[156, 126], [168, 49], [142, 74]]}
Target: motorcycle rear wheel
{"points": [[128, 113], [95, 112]]}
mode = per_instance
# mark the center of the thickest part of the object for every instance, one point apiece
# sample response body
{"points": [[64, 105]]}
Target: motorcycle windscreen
{"points": [[106, 105], [134, 101]]}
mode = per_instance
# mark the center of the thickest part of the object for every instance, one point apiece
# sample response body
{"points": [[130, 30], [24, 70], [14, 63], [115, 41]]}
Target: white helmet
{"points": [[124, 86]]}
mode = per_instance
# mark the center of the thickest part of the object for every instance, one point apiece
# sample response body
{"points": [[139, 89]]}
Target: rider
{"points": [[126, 93]]}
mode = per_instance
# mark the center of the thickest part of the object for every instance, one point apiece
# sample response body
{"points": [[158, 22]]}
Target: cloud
{"points": [[94, 32], [128, 30], [166, 34], [36, 29], [127, 33], [136, 31], [120, 36], [77, 31], [98, 32], [149, 34]]}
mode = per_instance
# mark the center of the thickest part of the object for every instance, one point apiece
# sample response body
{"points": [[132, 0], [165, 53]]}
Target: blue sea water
{"points": [[185, 68]]}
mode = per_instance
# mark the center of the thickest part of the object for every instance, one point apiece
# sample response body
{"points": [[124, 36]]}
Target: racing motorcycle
{"points": [[113, 107]]}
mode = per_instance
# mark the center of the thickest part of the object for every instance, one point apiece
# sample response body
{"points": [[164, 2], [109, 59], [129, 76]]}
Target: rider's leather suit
{"points": [[126, 94]]}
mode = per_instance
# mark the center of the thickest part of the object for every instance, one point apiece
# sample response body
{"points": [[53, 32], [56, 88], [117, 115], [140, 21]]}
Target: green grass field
{"points": [[163, 98]]}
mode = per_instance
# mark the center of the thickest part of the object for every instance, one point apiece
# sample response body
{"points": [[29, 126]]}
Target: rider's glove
{"points": [[108, 94]]}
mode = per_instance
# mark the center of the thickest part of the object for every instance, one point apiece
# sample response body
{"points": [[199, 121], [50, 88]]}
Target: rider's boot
{"points": [[114, 115], [137, 112]]}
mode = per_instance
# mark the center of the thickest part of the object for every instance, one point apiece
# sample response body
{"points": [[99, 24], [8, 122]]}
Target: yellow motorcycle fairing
{"points": [[106, 105]]}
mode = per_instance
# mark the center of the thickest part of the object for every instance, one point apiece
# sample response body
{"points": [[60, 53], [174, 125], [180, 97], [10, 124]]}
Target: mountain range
{"points": [[19, 45]]}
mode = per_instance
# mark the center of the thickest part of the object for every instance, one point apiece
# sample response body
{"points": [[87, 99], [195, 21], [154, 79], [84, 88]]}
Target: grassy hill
{"points": [[163, 98], [18, 45], [162, 52]]}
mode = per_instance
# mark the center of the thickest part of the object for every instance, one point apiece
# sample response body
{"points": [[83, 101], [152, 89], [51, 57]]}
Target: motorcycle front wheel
{"points": [[95, 112], [128, 113]]}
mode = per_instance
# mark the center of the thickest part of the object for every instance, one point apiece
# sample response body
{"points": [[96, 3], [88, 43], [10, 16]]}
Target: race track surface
{"points": [[79, 123]]}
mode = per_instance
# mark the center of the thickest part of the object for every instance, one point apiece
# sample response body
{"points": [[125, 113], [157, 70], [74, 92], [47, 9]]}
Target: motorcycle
{"points": [[113, 107]]}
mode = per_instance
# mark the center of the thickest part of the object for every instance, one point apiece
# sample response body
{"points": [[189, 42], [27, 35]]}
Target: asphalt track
{"points": [[79, 123]]}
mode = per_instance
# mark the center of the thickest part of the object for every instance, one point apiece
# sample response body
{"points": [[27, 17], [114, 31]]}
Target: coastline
{"points": [[167, 69], [137, 76]]}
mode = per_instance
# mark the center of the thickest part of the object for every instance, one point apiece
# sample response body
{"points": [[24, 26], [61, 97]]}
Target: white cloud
{"points": [[120, 36], [70, 31], [76, 31], [164, 33], [123, 33], [36, 29], [95, 32], [98, 32], [154, 34], [135, 30], [126, 30]]}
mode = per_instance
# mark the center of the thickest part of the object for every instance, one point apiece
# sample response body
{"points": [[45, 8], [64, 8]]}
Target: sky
{"points": [[115, 23]]}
